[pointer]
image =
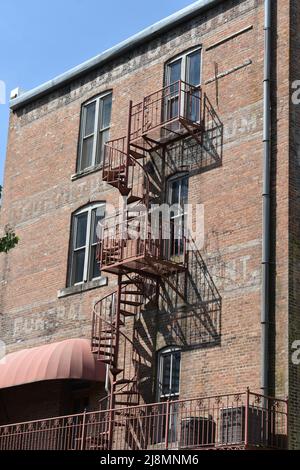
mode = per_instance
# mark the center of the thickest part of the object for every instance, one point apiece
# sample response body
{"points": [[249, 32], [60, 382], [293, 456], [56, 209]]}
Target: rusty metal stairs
{"points": [[115, 348]]}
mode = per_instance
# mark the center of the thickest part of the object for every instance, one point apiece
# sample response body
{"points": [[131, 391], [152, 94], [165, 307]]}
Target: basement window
{"points": [[94, 131], [83, 264]]}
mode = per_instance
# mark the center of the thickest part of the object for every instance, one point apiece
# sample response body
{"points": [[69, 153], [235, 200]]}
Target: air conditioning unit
{"points": [[233, 427], [196, 432]]}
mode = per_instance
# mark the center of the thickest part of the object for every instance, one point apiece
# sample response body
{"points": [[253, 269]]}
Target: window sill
{"points": [[102, 281], [87, 171]]}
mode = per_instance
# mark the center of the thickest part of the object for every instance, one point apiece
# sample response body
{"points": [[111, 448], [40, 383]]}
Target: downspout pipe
{"points": [[266, 213]]}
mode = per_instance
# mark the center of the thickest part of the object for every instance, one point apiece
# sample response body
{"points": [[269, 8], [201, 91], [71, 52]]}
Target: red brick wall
{"points": [[40, 197]]}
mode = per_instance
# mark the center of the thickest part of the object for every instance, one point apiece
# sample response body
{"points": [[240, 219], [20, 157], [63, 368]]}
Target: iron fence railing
{"points": [[174, 102], [241, 420], [145, 235]]}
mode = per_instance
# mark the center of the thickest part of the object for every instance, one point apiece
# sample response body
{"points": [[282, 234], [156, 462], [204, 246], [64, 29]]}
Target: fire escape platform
{"points": [[145, 265], [167, 115], [167, 133]]}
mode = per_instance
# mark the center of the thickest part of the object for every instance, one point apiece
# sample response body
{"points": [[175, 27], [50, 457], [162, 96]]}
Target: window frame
{"points": [[183, 57], [180, 214], [88, 247], [98, 100], [163, 352]]}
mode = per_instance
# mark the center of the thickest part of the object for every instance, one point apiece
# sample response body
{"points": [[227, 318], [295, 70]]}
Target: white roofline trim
{"points": [[114, 52]]}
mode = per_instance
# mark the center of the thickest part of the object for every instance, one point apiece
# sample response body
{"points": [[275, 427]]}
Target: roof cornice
{"points": [[114, 52]]}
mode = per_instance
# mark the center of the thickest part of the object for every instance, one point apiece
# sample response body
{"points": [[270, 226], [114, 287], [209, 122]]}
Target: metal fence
{"points": [[242, 420]]}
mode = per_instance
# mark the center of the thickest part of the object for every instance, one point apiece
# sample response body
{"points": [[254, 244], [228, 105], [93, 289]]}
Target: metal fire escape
{"points": [[130, 246]]}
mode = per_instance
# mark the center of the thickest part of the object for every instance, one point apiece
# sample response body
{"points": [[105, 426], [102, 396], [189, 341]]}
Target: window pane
{"points": [[87, 153], [174, 187], [184, 191], [175, 372], [78, 265], [193, 68], [90, 111], [97, 214], [177, 236], [172, 110], [106, 112], [80, 236], [103, 138], [94, 264], [174, 72], [166, 370]]}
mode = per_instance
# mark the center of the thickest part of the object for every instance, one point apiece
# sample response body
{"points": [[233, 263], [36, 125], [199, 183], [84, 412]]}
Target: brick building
{"points": [[188, 340]]}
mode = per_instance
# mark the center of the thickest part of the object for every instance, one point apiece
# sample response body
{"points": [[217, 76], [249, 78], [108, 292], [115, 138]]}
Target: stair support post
{"points": [[115, 365]]}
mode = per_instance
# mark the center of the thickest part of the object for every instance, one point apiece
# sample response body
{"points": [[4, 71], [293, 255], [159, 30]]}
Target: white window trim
{"points": [[98, 101], [87, 254], [184, 56], [177, 177], [161, 353], [183, 76], [171, 180]]}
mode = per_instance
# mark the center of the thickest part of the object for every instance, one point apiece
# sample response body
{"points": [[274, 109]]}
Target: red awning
{"points": [[69, 359]]}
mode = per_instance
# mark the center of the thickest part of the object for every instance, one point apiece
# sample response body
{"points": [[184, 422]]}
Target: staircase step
{"points": [[131, 281], [123, 381], [133, 292], [104, 346], [133, 198], [125, 313], [121, 323], [136, 154], [124, 190], [116, 370], [109, 332], [113, 323], [131, 302], [104, 353]]}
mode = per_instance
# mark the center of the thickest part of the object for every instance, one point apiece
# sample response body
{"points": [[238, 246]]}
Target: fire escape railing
{"points": [[134, 242], [140, 238], [233, 421], [177, 102]]}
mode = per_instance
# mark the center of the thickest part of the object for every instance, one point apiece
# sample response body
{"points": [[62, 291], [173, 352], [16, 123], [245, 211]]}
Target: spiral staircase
{"points": [[127, 247]]}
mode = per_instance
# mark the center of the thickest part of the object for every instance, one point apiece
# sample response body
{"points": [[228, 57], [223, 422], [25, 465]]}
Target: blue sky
{"points": [[39, 40]]}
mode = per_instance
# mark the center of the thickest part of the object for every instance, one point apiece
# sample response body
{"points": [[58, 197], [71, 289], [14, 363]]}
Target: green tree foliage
{"points": [[10, 239]]}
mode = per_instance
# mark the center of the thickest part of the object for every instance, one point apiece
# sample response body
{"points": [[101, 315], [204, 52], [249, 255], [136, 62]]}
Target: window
{"points": [[168, 373], [94, 131], [84, 266], [186, 67], [178, 200]]}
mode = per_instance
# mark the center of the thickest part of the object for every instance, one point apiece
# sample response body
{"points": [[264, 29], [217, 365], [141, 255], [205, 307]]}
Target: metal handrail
{"points": [[195, 423]]}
